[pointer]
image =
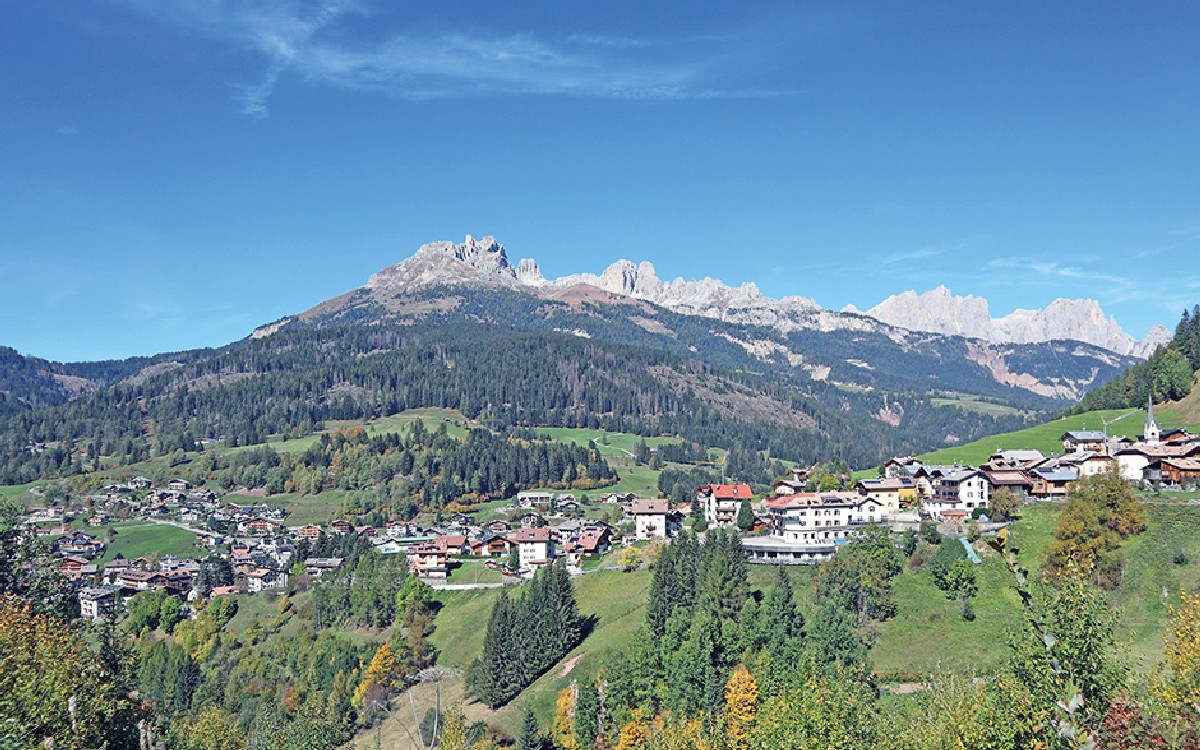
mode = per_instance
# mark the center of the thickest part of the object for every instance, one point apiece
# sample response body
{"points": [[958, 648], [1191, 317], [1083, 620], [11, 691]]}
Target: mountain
{"points": [[940, 311], [445, 279]]}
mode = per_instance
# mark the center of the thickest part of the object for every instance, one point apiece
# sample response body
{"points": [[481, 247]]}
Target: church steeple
{"points": [[1151, 434]]}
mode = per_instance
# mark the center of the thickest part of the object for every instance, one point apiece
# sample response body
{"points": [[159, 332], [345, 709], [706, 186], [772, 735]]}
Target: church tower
{"points": [[1151, 435]]}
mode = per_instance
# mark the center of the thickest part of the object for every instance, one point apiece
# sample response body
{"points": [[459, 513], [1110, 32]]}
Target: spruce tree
{"points": [[530, 737], [587, 714], [781, 624], [745, 516]]}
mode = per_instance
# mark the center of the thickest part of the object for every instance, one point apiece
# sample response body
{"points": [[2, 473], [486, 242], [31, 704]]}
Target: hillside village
{"points": [[794, 523]]}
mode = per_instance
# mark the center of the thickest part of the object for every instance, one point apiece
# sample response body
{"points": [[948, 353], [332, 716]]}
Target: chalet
{"points": [[722, 501], [341, 527], [140, 483], [260, 526], [650, 519], [315, 567], [532, 520], [97, 603], [1096, 464], [893, 493], [396, 529], [1133, 460], [531, 499], [1013, 480], [178, 485], [623, 498], [1014, 459], [310, 532], [963, 489], [452, 544], [490, 546], [1173, 472], [142, 580], [499, 527], [366, 532], [566, 507], [900, 467], [808, 527], [429, 561], [1079, 441], [535, 547], [261, 579], [97, 520], [595, 541], [1052, 484]]}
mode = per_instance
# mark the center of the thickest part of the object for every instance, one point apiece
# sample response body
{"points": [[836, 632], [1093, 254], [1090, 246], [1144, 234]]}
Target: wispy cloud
{"points": [[317, 43], [68, 131]]}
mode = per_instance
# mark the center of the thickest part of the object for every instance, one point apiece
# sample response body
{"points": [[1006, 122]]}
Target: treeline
{"points": [[362, 592], [430, 467], [290, 383], [526, 635], [1168, 375]]}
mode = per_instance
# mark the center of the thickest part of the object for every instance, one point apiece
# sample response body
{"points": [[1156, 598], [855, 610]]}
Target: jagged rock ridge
{"points": [[940, 311]]}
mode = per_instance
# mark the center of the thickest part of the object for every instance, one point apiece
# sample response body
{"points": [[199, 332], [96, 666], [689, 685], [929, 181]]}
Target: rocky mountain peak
{"points": [[941, 311]]}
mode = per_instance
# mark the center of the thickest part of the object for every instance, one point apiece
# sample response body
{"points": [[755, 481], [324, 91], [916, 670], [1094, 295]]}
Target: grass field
{"points": [[968, 402], [1045, 437], [433, 418], [135, 539]]}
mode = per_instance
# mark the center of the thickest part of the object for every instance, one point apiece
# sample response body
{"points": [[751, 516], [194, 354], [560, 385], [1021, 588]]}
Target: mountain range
{"points": [[459, 326], [484, 263], [940, 311]]}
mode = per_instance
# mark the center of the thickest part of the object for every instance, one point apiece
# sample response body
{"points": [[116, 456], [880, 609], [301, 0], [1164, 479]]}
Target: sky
{"points": [[174, 174]]}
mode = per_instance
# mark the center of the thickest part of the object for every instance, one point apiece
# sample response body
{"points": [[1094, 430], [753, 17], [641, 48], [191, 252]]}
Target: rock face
{"points": [[939, 311], [484, 263]]}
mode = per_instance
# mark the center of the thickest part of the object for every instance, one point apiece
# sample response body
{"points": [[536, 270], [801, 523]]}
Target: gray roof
{"points": [[1057, 475], [1086, 435]]}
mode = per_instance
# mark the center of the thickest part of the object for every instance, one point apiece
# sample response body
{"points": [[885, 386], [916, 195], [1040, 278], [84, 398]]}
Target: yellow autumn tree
{"points": [[679, 734], [741, 699], [54, 691], [211, 729], [454, 734], [635, 735], [378, 679], [562, 729], [1180, 686]]}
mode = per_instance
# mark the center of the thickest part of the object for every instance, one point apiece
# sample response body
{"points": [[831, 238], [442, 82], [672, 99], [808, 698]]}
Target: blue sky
{"points": [[174, 174]]}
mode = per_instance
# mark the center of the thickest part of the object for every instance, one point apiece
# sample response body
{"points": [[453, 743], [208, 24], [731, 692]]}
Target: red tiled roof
{"points": [[731, 491]]}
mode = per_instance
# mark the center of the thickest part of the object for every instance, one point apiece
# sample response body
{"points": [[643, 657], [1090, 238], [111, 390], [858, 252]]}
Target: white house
{"points": [[722, 501], [535, 547], [808, 527], [962, 490], [650, 519]]}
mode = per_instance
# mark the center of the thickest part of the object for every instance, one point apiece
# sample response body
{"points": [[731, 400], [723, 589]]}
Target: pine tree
{"points": [[745, 516], [781, 624], [587, 714], [530, 737]]}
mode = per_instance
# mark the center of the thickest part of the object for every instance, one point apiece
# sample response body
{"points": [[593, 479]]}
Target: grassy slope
{"points": [[138, 539], [1045, 437], [617, 601]]}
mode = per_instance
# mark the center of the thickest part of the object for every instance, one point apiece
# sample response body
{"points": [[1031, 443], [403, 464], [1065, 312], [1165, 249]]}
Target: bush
{"points": [[930, 533]]}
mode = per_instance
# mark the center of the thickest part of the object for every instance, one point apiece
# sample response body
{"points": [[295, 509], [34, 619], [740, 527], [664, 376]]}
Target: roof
{"points": [[1022, 455], [816, 500], [1010, 477], [1185, 464], [889, 483], [727, 491], [1057, 475], [644, 506], [1086, 435], [544, 534]]}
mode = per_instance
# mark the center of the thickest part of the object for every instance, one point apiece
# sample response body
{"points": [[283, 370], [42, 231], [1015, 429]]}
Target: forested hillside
{"points": [[1168, 375], [294, 380]]}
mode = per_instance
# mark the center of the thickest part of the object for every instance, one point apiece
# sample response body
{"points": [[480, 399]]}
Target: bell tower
{"points": [[1151, 435]]}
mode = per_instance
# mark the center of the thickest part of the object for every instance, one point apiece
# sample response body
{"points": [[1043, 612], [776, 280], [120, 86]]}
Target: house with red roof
{"points": [[721, 502]]}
